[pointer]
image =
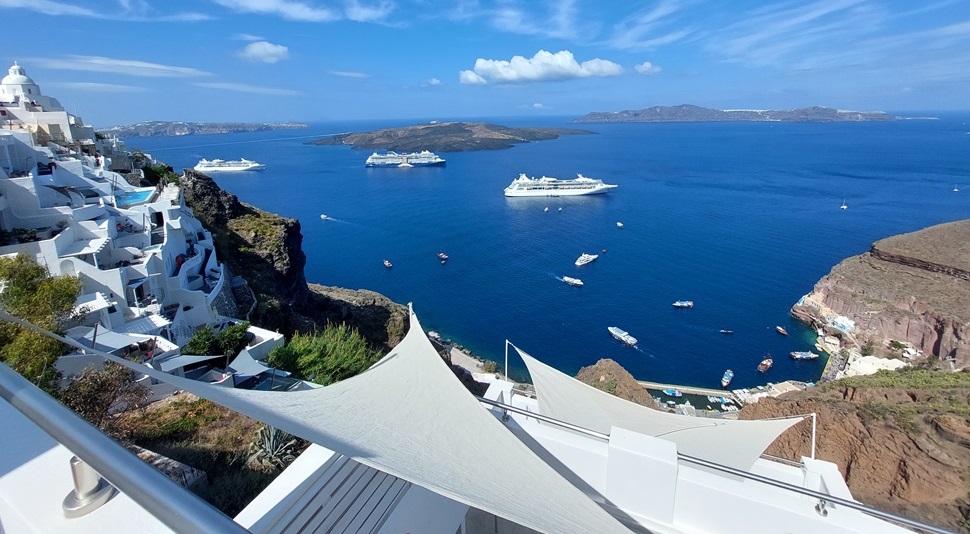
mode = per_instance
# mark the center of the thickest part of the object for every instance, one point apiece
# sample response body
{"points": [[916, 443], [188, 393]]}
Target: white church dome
{"points": [[17, 76]]}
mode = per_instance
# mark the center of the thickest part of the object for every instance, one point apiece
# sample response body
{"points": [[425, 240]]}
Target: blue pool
{"points": [[132, 198]]}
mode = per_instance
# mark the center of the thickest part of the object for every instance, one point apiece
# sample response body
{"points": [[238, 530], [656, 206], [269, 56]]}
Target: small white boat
{"points": [[572, 281], [804, 355], [585, 258], [387, 263], [547, 208], [781, 330], [560, 209], [727, 378], [619, 224], [623, 336], [324, 216], [442, 256], [843, 206], [684, 304], [956, 189]]}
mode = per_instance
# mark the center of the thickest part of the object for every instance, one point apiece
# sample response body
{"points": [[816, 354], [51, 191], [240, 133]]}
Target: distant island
{"points": [[445, 137], [689, 113], [154, 128]]}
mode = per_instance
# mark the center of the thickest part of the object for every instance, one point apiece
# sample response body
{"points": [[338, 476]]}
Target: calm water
{"points": [[741, 218]]}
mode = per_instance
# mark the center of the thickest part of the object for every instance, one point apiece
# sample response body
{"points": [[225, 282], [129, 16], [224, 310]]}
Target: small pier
{"points": [[692, 390]]}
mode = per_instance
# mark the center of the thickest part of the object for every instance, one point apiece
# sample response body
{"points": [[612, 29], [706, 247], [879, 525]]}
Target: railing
{"points": [[176, 507], [823, 498]]}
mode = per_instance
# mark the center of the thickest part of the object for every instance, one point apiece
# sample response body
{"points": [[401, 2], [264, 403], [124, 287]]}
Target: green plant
{"points": [[337, 353], [203, 342], [489, 366], [95, 394], [896, 345], [232, 339], [868, 349], [273, 448]]}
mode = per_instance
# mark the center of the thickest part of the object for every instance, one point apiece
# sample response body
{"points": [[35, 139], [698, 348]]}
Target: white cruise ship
{"points": [[524, 186], [424, 158], [221, 165]]}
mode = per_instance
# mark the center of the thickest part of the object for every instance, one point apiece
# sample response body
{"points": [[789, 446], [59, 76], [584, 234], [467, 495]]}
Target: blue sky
{"points": [[125, 61]]}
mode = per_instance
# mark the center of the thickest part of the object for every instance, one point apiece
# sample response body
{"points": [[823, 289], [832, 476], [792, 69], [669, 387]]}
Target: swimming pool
{"points": [[132, 198]]}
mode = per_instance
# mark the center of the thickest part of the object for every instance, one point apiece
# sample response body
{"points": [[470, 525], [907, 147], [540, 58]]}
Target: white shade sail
{"points": [[410, 417], [736, 444]]}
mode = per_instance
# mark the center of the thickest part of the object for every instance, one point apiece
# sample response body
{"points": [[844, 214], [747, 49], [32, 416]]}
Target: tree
{"points": [[28, 291], [202, 343], [232, 339], [95, 395]]}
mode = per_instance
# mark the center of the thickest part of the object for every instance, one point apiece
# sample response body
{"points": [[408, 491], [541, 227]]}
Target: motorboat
{"points": [[387, 263], [804, 355], [572, 281], [672, 392], [765, 364], [727, 378], [843, 206], [585, 258], [442, 256], [684, 304], [324, 216], [619, 224], [727, 332], [623, 336], [781, 330]]}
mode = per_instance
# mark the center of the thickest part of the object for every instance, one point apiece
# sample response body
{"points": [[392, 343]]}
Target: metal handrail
{"points": [[824, 498], [173, 505]]}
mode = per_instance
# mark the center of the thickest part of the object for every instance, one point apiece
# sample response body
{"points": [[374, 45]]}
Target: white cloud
{"points": [[246, 88], [309, 12], [434, 81], [131, 67], [101, 87], [649, 29], [264, 51], [467, 77], [543, 66], [647, 68], [247, 37], [348, 74], [537, 105], [48, 7], [130, 11]]}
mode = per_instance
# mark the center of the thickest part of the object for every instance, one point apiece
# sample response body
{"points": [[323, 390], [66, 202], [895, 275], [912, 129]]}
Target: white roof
{"points": [[16, 75], [91, 302], [148, 325], [170, 364], [410, 417], [85, 246], [728, 442]]}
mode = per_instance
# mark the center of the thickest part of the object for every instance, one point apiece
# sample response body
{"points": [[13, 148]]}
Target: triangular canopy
{"points": [[409, 416], [736, 444]]}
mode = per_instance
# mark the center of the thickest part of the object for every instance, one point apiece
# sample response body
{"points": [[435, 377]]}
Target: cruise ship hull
{"points": [[556, 192]]}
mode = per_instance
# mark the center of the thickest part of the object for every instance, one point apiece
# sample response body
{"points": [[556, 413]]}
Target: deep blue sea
{"points": [[741, 218]]}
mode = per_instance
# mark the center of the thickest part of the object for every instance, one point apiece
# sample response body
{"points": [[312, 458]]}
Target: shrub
{"points": [[232, 339], [489, 366], [95, 394], [868, 349], [896, 345], [272, 449], [203, 343], [326, 357]]}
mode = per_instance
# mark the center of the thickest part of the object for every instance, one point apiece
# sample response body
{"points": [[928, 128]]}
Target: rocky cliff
{"points": [[900, 438], [266, 251], [912, 287], [689, 113], [609, 376]]}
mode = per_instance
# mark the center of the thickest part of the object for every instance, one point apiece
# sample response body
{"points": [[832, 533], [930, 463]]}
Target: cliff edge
{"points": [[912, 288], [266, 251]]}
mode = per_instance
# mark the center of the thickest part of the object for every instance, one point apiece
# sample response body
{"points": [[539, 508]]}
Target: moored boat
{"points": [[684, 304], [523, 186], [765, 364], [221, 165], [672, 392], [781, 330], [727, 378], [572, 281], [585, 258], [804, 355], [387, 263], [442, 256], [623, 336]]}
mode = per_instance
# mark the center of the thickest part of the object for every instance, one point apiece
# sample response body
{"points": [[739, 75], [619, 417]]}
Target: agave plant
{"points": [[272, 448]]}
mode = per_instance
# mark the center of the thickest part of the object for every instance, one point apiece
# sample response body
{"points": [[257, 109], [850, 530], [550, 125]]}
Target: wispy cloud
{"points": [[348, 74], [247, 37], [130, 67], [311, 12], [100, 87], [246, 88], [649, 28], [557, 19], [264, 51], [647, 68], [433, 81], [129, 10], [543, 66]]}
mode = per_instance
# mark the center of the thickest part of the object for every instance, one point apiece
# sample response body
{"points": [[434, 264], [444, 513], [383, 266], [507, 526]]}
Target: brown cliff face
{"points": [[902, 449], [912, 287], [609, 376], [266, 250]]}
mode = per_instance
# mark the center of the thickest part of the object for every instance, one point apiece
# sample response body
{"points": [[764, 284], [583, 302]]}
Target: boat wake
{"points": [[326, 218]]}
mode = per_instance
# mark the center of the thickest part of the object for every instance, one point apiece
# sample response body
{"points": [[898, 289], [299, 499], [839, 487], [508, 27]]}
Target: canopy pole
{"points": [[507, 361], [814, 425]]}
